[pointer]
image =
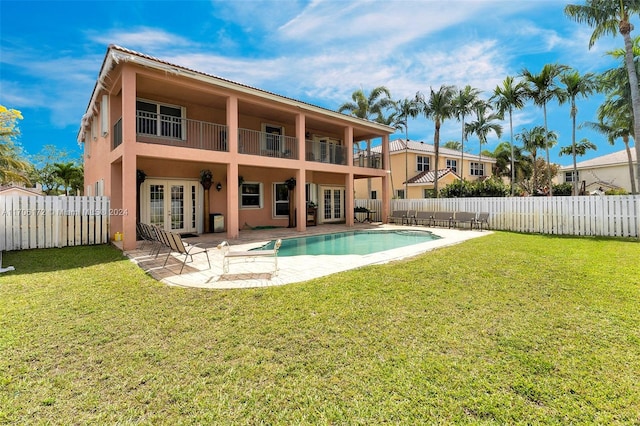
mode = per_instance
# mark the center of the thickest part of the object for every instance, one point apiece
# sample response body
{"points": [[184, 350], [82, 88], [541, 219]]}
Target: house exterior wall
{"points": [[615, 174], [210, 135], [414, 191]]}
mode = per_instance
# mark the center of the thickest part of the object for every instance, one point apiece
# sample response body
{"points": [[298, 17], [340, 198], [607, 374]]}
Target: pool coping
{"points": [[291, 269]]}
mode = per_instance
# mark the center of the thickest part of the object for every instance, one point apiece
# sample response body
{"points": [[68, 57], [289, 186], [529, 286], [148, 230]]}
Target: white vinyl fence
{"points": [[28, 222], [614, 216]]}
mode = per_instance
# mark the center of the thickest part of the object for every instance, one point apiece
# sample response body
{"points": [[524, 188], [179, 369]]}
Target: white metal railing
{"points": [[182, 132], [265, 144], [325, 152]]}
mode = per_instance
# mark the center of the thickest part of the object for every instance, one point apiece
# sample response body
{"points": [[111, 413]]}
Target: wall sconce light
{"points": [[219, 186]]}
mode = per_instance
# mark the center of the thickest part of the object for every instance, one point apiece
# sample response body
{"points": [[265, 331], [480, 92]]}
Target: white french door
{"points": [[173, 205], [331, 204]]}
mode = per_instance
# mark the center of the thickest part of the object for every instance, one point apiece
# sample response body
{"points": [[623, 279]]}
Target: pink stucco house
{"points": [[152, 127]]}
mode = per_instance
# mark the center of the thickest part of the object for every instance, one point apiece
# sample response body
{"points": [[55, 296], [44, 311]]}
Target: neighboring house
{"points": [[415, 165], [609, 171], [19, 190], [151, 127]]}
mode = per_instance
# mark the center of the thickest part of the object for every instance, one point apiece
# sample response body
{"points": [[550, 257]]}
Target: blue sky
{"points": [[317, 51]]}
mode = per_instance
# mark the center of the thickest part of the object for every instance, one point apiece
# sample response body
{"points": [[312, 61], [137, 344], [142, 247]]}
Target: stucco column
{"points": [[233, 200], [386, 193], [129, 183], [349, 203], [300, 197]]}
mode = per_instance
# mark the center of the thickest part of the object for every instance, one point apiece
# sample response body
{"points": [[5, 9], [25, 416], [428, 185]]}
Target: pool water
{"points": [[350, 242]]}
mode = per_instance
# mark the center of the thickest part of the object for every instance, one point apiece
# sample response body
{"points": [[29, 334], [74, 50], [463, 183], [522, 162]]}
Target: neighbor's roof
{"points": [[429, 176], [397, 146], [615, 158], [116, 54]]}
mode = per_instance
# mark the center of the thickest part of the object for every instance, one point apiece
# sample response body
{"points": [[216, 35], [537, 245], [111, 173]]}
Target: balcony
{"points": [[253, 142], [182, 132], [169, 130]]}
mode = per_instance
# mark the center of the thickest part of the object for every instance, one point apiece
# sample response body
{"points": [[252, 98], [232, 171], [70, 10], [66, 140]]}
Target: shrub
{"points": [[563, 189], [492, 187]]}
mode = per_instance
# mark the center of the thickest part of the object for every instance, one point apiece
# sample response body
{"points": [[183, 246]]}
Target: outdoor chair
{"points": [[442, 218], [424, 218], [463, 217], [228, 255], [401, 215], [178, 246], [482, 219]]}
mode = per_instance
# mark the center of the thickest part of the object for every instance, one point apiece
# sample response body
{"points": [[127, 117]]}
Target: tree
{"points": [[532, 140], [615, 121], [510, 96], [13, 168], [576, 85], [542, 88], [44, 170], [406, 108], [464, 103], [67, 173], [610, 17], [577, 149], [485, 123], [368, 107], [456, 145], [438, 107]]}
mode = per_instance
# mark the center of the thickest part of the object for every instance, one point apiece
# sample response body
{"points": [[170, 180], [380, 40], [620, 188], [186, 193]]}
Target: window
{"points": [[568, 176], [477, 169], [160, 120], [400, 194], [422, 163], [453, 165], [273, 139], [374, 195], [280, 199], [251, 195]]}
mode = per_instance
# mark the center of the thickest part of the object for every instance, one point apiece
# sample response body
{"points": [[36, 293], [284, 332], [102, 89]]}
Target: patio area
{"points": [[291, 269]]}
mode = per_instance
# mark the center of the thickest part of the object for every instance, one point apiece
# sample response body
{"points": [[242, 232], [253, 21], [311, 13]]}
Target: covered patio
{"points": [[290, 269]]}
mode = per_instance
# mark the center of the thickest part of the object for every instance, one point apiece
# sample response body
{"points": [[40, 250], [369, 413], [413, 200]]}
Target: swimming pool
{"points": [[350, 242]]}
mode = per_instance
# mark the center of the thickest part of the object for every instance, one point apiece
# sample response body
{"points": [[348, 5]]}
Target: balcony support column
{"points": [[129, 161], [300, 197], [386, 180], [349, 203], [233, 209]]}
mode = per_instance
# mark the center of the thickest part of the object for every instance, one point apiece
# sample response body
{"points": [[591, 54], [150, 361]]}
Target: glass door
{"points": [[332, 204], [172, 205]]}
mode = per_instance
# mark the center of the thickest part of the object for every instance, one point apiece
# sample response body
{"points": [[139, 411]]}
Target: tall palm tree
{"points": [[438, 107], [611, 17], [368, 107], [66, 172], [578, 148], [486, 122], [542, 88], [532, 140], [576, 85], [463, 104], [511, 95], [615, 121], [406, 108]]}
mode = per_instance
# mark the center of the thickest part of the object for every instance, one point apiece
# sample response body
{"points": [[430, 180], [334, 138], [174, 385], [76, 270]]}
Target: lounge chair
{"points": [[464, 217], [424, 218], [402, 216], [228, 255], [482, 219], [442, 218], [178, 246]]}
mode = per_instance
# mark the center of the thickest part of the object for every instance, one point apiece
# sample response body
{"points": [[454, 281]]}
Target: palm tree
{"points": [[66, 172], [576, 85], [510, 96], [541, 89], [615, 122], [485, 123], [406, 108], [463, 104], [368, 107], [438, 107], [533, 140], [611, 17], [578, 148], [456, 145]]}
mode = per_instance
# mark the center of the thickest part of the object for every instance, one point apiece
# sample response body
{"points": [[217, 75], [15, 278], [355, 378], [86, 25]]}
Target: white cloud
{"points": [[142, 38]]}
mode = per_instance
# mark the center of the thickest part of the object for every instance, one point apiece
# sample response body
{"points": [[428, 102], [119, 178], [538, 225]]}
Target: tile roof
{"points": [[397, 145], [428, 177]]}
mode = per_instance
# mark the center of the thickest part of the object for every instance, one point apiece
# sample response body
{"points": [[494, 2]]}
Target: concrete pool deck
{"points": [[291, 269]]}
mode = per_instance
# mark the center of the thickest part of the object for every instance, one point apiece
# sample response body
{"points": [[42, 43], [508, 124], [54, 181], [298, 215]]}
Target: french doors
{"points": [[174, 205], [331, 204]]}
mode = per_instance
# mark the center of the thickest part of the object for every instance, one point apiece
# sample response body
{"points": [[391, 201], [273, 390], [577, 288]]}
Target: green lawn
{"points": [[503, 329]]}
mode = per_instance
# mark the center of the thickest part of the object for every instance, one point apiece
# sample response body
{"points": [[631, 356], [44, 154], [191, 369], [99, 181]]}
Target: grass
{"points": [[503, 329]]}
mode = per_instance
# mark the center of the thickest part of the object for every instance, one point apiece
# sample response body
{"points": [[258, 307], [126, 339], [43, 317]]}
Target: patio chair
{"points": [[401, 215], [442, 218], [482, 219], [228, 255], [180, 247], [463, 217], [424, 218]]}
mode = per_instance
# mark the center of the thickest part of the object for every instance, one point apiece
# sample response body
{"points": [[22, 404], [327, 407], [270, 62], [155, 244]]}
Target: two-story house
{"points": [[151, 128], [610, 171], [413, 170]]}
